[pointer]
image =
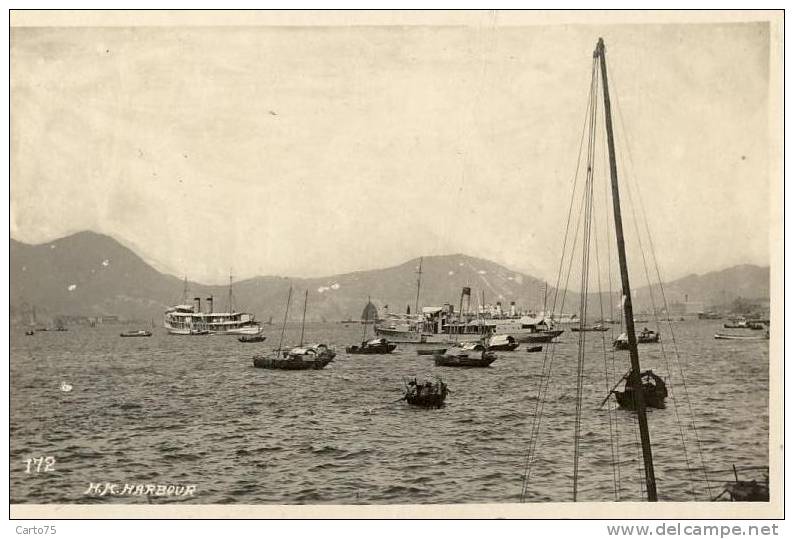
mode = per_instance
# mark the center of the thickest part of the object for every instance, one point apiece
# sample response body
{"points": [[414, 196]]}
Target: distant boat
{"points": [[466, 355], [375, 346], [136, 333], [596, 327], [430, 351], [736, 323], [502, 343], [747, 337], [645, 336], [259, 337], [30, 332], [532, 349]]}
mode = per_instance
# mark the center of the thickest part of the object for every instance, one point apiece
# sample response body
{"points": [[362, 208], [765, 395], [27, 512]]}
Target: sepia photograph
{"points": [[379, 264]]}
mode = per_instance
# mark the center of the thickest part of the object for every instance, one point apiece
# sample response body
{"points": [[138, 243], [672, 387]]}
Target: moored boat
{"points": [[430, 351], [596, 327], [466, 355], [502, 343], [375, 346], [653, 388], [646, 336], [136, 333], [532, 349], [311, 356], [259, 337], [186, 319], [747, 337]]}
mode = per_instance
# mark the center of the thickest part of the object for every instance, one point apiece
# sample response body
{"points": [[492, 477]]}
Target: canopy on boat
{"points": [[377, 341], [501, 339]]}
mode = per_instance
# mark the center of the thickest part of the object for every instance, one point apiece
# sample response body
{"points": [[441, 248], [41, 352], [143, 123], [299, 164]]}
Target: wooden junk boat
{"points": [[375, 346], [654, 391], [745, 491], [136, 333], [427, 395], [646, 336], [258, 337], [502, 343], [466, 355], [310, 356], [301, 357]]}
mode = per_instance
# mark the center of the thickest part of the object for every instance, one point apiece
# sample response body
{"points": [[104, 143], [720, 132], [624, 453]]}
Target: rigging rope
{"points": [[583, 288], [665, 304], [548, 356]]}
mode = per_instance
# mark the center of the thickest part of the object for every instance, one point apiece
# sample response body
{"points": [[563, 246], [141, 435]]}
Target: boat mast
{"points": [[184, 292], [231, 306], [303, 320], [284, 325], [366, 318], [418, 286], [634, 380]]}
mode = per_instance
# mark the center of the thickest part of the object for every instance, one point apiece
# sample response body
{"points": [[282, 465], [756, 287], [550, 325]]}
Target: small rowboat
{"points": [[138, 333], [431, 351], [534, 349], [252, 338], [751, 337], [426, 395]]}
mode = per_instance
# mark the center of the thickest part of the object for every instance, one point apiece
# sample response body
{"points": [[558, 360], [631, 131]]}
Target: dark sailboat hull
{"points": [[292, 363], [462, 361]]}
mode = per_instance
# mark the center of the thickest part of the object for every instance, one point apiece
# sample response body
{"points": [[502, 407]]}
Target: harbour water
{"points": [[194, 411]]}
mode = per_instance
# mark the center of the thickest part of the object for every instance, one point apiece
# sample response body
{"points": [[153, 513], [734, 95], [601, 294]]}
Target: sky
{"points": [[309, 151]]}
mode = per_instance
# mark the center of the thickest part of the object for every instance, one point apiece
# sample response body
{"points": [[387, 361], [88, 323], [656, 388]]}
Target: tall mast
{"points": [[418, 285], [303, 320], [284, 325], [634, 380], [231, 306], [184, 292], [366, 318]]}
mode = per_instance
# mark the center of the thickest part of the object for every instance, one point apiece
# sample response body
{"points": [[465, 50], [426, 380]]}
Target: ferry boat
{"points": [[188, 319]]}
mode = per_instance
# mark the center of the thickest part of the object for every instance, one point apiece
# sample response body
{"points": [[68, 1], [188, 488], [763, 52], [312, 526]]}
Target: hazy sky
{"points": [[309, 151]]}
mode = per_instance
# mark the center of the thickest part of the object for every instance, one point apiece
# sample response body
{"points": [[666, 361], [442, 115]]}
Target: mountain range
{"points": [[90, 274]]}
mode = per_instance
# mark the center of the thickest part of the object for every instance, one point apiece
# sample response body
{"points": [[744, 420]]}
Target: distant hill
{"points": [[91, 274]]}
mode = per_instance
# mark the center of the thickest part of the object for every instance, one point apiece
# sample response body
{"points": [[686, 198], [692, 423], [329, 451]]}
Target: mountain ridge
{"points": [[93, 274]]}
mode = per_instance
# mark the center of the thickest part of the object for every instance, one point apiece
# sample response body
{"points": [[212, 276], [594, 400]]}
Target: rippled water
{"points": [[194, 411]]}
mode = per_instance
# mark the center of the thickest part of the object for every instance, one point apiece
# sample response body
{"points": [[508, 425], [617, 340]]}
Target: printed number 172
{"points": [[35, 464]]}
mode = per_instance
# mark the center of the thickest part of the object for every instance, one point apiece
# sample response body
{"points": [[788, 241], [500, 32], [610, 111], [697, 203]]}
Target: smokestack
{"points": [[499, 307], [197, 302], [211, 303], [512, 308]]}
